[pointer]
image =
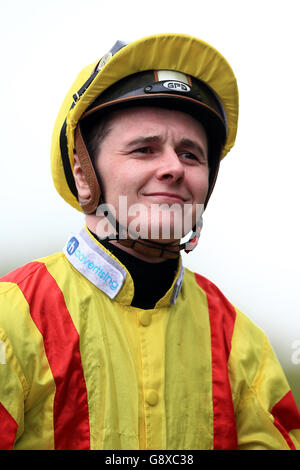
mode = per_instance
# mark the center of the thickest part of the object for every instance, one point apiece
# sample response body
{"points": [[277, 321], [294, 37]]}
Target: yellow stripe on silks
{"points": [[21, 385], [146, 388]]}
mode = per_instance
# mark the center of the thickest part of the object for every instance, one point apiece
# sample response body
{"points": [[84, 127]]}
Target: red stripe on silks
{"points": [[285, 434], [222, 318], [286, 416], [8, 429], [61, 341]]}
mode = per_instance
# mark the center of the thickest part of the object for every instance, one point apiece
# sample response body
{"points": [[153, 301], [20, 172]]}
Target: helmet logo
{"points": [[175, 85]]}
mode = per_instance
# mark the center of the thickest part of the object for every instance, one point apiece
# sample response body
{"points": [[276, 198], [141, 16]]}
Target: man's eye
{"points": [[143, 150], [192, 157], [189, 156]]}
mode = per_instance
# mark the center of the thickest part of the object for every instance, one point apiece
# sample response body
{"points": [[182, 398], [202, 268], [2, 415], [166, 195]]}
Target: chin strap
{"points": [[193, 241], [161, 250], [152, 248]]}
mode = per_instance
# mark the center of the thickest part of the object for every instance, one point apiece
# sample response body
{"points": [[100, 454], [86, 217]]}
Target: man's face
{"points": [[156, 158]]}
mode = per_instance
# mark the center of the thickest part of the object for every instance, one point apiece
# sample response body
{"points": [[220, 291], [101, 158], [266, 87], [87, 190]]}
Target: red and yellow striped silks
{"points": [[83, 371]]}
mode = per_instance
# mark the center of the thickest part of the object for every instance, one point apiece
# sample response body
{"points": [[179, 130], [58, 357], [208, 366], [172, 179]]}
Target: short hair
{"points": [[94, 132]]}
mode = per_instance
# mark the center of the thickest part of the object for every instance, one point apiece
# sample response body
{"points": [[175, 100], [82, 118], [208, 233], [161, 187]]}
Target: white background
{"points": [[250, 241]]}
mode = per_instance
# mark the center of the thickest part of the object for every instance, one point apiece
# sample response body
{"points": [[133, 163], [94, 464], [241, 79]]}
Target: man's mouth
{"points": [[167, 196]]}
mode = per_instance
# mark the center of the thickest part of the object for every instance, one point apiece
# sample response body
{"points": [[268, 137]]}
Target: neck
{"points": [[151, 281]]}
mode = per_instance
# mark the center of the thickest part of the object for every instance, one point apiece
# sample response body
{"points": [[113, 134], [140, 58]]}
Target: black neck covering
{"points": [[151, 280]]}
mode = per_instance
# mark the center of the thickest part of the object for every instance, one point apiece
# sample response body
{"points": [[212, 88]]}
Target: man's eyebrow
{"points": [[193, 145], [144, 140]]}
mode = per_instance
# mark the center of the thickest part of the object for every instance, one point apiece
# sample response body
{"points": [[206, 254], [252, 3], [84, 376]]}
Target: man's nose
{"points": [[170, 167]]}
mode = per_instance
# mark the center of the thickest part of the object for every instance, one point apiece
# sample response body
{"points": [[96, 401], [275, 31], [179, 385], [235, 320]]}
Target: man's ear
{"points": [[82, 186]]}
